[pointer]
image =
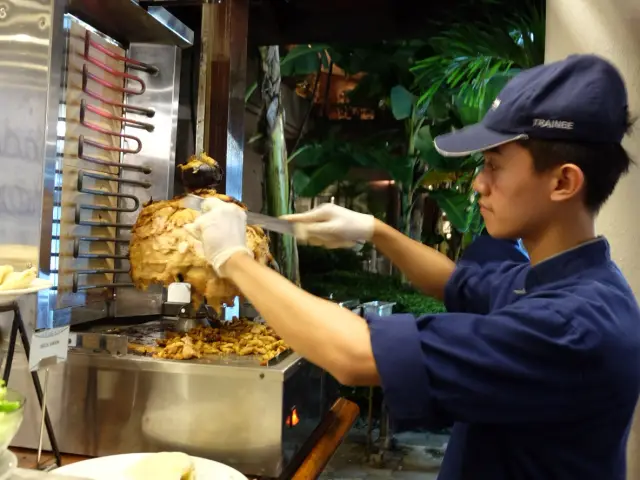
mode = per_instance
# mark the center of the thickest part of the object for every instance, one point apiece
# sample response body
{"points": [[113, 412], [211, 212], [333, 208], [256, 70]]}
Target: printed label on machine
{"points": [[49, 347]]}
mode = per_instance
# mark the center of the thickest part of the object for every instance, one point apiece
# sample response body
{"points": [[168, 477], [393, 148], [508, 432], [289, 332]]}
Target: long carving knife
{"points": [[265, 221], [271, 223]]}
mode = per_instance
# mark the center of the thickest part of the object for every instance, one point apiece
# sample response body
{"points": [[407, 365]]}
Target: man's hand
{"points": [[332, 226], [222, 230]]}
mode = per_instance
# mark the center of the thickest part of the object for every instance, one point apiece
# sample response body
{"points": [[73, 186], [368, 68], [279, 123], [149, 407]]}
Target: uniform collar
{"points": [[570, 262]]}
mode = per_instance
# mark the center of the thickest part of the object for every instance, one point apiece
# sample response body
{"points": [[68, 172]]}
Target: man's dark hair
{"points": [[602, 164]]}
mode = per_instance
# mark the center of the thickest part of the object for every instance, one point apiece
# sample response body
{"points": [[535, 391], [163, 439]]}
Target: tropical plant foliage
{"points": [[468, 55], [407, 155], [446, 180], [458, 75]]}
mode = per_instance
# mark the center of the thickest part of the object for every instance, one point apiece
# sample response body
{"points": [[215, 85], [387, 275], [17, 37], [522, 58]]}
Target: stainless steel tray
{"points": [[148, 332]]}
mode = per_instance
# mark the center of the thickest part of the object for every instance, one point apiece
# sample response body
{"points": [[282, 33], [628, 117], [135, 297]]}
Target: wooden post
{"points": [[221, 88]]}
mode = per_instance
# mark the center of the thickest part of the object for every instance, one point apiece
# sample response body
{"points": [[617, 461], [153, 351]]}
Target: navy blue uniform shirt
{"points": [[486, 249], [538, 368]]}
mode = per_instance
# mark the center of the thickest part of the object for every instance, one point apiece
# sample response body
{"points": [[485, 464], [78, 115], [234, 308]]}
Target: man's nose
{"points": [[480, 184]]}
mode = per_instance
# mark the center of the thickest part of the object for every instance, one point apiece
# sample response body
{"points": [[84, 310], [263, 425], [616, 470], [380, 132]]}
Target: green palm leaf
{"points": [[468, 55]]}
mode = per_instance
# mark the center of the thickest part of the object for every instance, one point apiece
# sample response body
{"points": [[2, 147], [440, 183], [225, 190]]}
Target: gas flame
{"points": [[293, 419]]}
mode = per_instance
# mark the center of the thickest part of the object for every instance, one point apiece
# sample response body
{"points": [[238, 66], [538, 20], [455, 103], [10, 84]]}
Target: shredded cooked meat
{"points": [[239, 337], [161, 251]]}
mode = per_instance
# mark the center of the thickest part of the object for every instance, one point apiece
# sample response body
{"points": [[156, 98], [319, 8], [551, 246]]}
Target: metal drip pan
{"points": [[149, 333]]}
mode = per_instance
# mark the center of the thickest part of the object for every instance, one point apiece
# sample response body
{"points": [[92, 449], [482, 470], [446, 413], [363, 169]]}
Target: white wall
{"points": [[610, 28]]}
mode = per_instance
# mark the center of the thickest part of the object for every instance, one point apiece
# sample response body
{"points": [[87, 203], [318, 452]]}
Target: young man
{"points": [[536, 363]]}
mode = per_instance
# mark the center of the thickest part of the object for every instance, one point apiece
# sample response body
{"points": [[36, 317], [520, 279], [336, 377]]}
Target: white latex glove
{"points": [[222, 230], [332, 226]]}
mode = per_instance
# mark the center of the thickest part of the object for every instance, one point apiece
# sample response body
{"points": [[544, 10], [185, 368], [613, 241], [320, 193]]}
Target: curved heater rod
{"points": [[147, 112], [120, 145], [100, 129], [101, 112], [129, 62], [107, 163]]}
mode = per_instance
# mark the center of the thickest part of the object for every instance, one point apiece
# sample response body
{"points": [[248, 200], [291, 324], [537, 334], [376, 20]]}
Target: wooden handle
{"points": [[338, 422]]}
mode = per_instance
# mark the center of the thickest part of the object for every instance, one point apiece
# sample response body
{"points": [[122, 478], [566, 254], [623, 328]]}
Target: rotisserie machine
{"points": [[88, 129]]}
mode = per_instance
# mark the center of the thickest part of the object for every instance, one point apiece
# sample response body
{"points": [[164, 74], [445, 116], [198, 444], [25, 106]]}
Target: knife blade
{"points": [[265, 221], [271, 223], [193, 202]]}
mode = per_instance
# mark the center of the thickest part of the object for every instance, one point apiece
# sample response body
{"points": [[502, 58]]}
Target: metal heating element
{"points": [[97, 93], [84, 144]]}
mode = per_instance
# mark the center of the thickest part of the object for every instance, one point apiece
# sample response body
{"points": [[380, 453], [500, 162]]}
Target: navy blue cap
{"points": [[581, 98]]}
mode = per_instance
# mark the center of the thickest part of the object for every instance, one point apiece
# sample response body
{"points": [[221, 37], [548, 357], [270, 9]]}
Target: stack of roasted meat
{"points": [[162, 251]]}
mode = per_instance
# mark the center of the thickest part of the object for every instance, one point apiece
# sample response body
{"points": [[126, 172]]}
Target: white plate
{"points": [[115, 467], [9, 296]]}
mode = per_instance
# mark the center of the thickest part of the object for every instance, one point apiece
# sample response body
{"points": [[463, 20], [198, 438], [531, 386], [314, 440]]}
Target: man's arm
{"points": [[332, 226], [465, 286], [426, 268], [522, 363], [332, 337], [526, 363]]}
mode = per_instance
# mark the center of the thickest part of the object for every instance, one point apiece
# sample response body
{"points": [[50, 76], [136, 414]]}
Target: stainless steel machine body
{"points": [[90, 98], [233, 410]]}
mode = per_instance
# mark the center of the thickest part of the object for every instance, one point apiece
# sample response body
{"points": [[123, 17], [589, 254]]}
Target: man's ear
{"points": [[568, 182]]}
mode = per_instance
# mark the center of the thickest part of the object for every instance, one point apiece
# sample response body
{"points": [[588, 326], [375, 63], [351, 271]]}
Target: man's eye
{"points": [[489, 166]]}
